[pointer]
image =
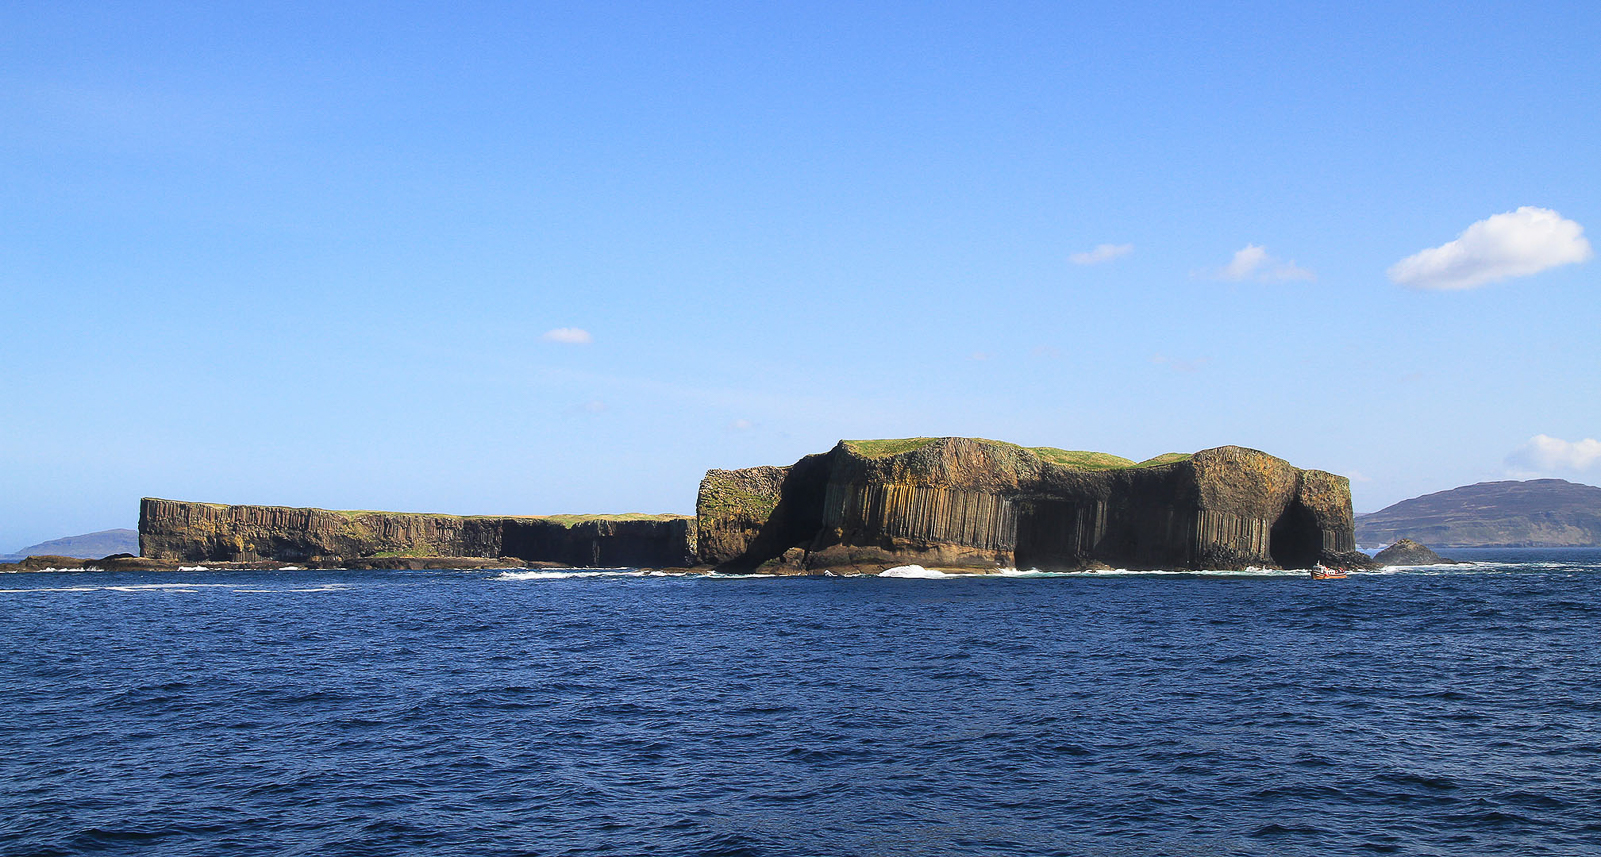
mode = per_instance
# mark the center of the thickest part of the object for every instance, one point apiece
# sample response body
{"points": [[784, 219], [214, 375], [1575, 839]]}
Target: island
{"points": [[970, 504], [1409, 552], [949, 503], [1536, 513]]}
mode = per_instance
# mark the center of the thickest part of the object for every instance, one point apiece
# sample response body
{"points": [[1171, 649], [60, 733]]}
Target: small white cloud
{"points": [[1512, 244], [1180, 365], [568, 336], [593, 406], [1544, 455], [979, 355], [741, 425], [1102, 253], [1254, 263]]}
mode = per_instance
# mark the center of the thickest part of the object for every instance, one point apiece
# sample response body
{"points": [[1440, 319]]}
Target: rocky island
{"points": [[979, 505], [950, 503], [1408, 552]]}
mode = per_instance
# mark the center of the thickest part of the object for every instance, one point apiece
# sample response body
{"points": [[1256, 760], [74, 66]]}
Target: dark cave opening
{"points": [[1295, 540]]}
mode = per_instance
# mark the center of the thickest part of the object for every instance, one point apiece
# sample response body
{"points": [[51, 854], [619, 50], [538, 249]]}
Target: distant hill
{"points": [[1536, 513], [86, 546]]}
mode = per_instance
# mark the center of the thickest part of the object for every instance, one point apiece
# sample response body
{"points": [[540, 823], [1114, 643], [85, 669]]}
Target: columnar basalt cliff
{"points": [[200, 532], [953, 503], [980, 504]]}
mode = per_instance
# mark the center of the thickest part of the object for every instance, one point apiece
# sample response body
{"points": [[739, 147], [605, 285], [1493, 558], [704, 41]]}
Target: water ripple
{"points": [[1417, 711]]}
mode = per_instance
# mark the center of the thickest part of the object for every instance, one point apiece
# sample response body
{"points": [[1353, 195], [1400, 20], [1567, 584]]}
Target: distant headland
{"points": [[1545, 513], [949, 503]]}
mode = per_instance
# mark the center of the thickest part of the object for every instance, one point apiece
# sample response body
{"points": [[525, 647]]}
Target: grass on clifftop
{"points": [[570, 521], [1076, 459], [884, 448], [1165, 458], [1079, 459]]}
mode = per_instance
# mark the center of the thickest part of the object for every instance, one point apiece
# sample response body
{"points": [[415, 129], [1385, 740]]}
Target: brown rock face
{"points": [[199, 532], [745, 517], [969, 503]]}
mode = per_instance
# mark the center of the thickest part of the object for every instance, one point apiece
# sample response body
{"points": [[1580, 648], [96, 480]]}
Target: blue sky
{"points": [[288, 254]]}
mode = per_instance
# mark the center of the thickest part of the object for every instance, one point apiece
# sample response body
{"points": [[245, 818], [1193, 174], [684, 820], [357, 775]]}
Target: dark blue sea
{"points": [[1442, 711]]}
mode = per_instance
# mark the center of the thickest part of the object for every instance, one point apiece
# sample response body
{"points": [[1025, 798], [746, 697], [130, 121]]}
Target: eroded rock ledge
{"points": [[965, 503], [211, 532]]}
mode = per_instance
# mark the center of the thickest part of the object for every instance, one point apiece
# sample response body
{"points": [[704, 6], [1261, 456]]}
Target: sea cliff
{"points": [[200, 532], [949, 503], [976, 504]]}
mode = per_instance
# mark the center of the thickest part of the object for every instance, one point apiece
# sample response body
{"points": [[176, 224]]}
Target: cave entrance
{"points": [[1051, 535], [1295, 540]]}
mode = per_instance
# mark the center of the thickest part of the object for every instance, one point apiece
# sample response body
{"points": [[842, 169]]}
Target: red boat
{"points": [[1320, 572]]}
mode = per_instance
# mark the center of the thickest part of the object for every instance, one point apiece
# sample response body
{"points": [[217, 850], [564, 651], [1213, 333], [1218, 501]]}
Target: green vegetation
{"points": [[570, 521], [355, 514], [726, 501], [1076, 459], [1079, 460], [883, 448], [1165, 458]]}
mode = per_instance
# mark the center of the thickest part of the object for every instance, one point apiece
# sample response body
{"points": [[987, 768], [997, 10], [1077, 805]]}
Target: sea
{"points": [[1447, 710]]}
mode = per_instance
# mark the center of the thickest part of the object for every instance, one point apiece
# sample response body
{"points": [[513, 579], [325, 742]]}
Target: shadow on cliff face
{"points": [[1054, 534], [1296, 540], [795, 520], [597, 544]]}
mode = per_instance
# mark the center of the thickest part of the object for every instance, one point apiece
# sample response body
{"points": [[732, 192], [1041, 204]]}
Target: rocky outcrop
{"points": [[759, 512], [199, 532], [981, 505], [1408, 552], [1534, 513]]}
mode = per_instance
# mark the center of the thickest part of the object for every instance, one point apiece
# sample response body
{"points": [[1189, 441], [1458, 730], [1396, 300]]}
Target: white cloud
{"points": [[1512, 244], [593, 406], [1102, 253], [741, 425], [1254, 263], [568, 336], [1544, 455]]}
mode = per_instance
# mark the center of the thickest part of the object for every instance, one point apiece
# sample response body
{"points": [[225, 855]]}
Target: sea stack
{"points": [[1408, 552], [967, 503]]}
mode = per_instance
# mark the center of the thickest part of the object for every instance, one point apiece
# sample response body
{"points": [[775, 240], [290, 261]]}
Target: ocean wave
{"points": [[177, 588], [596, 573], [917, 572]]}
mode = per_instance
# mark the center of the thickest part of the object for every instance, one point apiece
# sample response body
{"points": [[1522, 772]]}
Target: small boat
{"points": [[1322, 572]]}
